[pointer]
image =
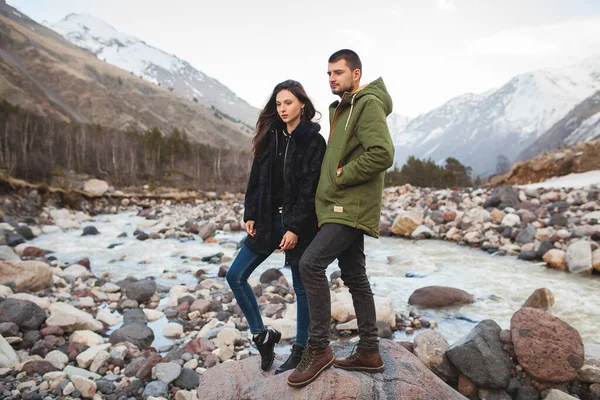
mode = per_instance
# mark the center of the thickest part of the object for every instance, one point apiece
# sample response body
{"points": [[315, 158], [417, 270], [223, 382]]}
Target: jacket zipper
{"points": [[337, 109], [287, 144]]}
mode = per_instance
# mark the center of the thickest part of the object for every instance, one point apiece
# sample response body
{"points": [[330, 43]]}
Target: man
{"points": [[348, 205]]}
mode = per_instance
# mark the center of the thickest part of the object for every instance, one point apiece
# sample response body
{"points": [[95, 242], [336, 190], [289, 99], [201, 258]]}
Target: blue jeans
{"points": [[244, 264]]}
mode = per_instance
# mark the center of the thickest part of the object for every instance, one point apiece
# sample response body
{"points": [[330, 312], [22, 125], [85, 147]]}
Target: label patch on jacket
{"points": [[338, 209]]}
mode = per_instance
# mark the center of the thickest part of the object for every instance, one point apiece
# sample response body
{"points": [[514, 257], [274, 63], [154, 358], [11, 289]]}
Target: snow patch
{"points": [[582, 180]]}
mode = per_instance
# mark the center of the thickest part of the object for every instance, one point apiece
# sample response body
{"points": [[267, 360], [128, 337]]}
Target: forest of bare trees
{"points": [[36, 148]]}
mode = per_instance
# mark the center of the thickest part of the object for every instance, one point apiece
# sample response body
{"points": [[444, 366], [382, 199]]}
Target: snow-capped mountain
{"points": [[476, 128], [581, 124], [132, 54], [397, 123]]}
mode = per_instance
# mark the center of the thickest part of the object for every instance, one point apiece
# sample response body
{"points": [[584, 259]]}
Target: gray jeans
{"points": [[347, 245]]}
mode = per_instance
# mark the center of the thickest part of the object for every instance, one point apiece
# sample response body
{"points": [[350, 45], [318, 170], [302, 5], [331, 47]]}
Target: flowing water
{"points": [[500, 284]]}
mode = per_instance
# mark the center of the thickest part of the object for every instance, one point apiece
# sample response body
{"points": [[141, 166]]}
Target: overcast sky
{"points": [[427, 51]]}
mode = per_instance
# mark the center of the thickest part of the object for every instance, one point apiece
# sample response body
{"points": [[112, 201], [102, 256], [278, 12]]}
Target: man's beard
{"points": [[342, 89]]}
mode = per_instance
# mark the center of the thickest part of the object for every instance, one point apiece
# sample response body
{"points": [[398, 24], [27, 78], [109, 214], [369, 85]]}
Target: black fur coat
{"points": [[301, 176]]}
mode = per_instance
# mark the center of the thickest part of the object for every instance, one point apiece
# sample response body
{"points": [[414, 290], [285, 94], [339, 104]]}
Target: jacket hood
{"points": [[376, 88]]}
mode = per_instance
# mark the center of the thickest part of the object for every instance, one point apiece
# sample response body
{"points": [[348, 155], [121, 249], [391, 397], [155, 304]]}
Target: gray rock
{"points": [[14, 239], [528, 255], [6, 253], [156, 389], [187, 380], [384, 330], [493, 394], [8, 329], [502, 197], [579, 257], [558, 220], [141, 291], [545, 246], [438, 217], [134, 333], [167, 372], [26, 314], [480, 356], [270, 275], [527, 235], [134, 315], [25, 231], [90, 230]]}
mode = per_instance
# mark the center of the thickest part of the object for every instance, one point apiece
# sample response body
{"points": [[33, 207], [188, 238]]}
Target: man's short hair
{"points": [[352, 59]]}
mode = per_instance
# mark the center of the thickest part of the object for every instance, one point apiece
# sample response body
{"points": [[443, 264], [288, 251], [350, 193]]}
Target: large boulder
{"points": [[430, 347], [540, 298], [29, 276], [502, 197], [406, 223], [439, 296], [547, 348], [579, 257], [70, 319], [26, 314], [95, 187], [405, 377], [480, 356]]}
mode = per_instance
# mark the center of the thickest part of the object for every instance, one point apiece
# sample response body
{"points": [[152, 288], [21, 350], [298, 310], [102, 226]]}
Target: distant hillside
{"points": [[581, 124], [43, 72], [134, 55]]}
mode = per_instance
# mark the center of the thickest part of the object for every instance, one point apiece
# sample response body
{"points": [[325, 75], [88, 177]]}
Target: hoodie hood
{"points": [[376, 88]]}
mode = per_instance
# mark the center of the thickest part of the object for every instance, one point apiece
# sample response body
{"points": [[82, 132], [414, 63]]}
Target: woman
{"points": [[280, 209]]}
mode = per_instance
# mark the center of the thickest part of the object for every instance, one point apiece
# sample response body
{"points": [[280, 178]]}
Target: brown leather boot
{"points": [[314, 361], [361, 359]]}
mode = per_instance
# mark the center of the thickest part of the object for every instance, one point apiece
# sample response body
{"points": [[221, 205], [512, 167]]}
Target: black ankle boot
{"points": [[265, 343], [292, 361]]}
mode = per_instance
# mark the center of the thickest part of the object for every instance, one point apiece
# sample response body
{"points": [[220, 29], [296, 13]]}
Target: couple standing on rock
{"points": [[299, 184]]}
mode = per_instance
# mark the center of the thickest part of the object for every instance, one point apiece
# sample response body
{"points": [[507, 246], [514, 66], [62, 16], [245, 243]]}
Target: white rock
{"points": [[58, 359], [118, 352], [384, 310], [85, 359], [166, 372], [43, 302], [339, 312], [579, 257], [99, 360], [350, 325], [67, 223], [213, 323], [153, 315], [175, 294], [46, 229], [422, 231], [95, 187], [287, 327], [86, 387], [107, 317], [173, 330], [99, 295], [109, 287], [224, 353], [5, 291], [69, 388], [88, 338], [71, 319], [74, 271], [86, 302], [228, 337], [192, 364], [55, 375], [556, 394], [8, 356], [511, 220]]}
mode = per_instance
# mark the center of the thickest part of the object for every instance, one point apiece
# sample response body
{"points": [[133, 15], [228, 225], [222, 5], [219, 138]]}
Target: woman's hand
{"points": [[289, 241], [250, 228]]}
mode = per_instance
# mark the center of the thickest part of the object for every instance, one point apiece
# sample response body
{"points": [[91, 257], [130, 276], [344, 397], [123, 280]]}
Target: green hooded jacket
{"points": [[359, 151]]}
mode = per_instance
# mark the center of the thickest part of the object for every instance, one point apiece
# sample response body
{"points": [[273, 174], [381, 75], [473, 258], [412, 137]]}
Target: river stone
{"points": [[173, 330], [558, 220], [405, 223], [540, 298], [85, 359], [137, 334], [405, 377], [545, 246], [28, 276], [72, 272], [422, 232], [502, 197], [71, 319], [556, 394], [107, 317], [72, 371], [579, 257], [546, 347], [496, 216], [58, 359], [141, 291], [556, 259], [166, 372], [187, 379], [438, 217], [590, 372], [480, 356], [86, 387], [430, 347], [439, 296], [26, 314], [153, 315], [339, 312], [511, 220], [90, 231], [494, 394], [201, 305], [95, 187], [88, 338], [528, 255], [159, 389], [134, 315], [596, 259], [270, 275], [13, 239], [527, 235], [6, 253], [8, 329], [8, 356]]}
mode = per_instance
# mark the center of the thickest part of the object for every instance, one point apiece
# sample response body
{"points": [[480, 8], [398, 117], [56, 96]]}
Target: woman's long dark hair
{"points": [[269, 115]]}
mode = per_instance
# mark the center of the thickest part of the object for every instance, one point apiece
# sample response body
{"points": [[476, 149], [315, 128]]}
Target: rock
{"points": [[511, 220], [200, 305], [466, 387], [107, 317], [99, 360], [8, 357], [13, 239], [493, 394], [86, 387], [590, 372], [43, 302], [339, 312], [166, 372], [546, 347], [545, 246], [90, 231], [72, 272], [406, 223], [556, 394], [439, 296], [95, 187], [556, 259], [527, 235], [207, 230], [438, 217], [405, 377], [71, 319], [26, 314], [187, 379], [158, 389], [8, 329], [58, 359], [74, 371], [199, 346], [40, 367], [502, 197], [596, 259], [173, 330], [141, 291], [86, 358], [430, 347], [137, 334], [422, 232], [88, 338], [28, 276], [480, 356], [528, 255], [222, 271], [540, 298], [153, 315], [496, 216], [579, 257], [6, 253], [558, 220]]}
